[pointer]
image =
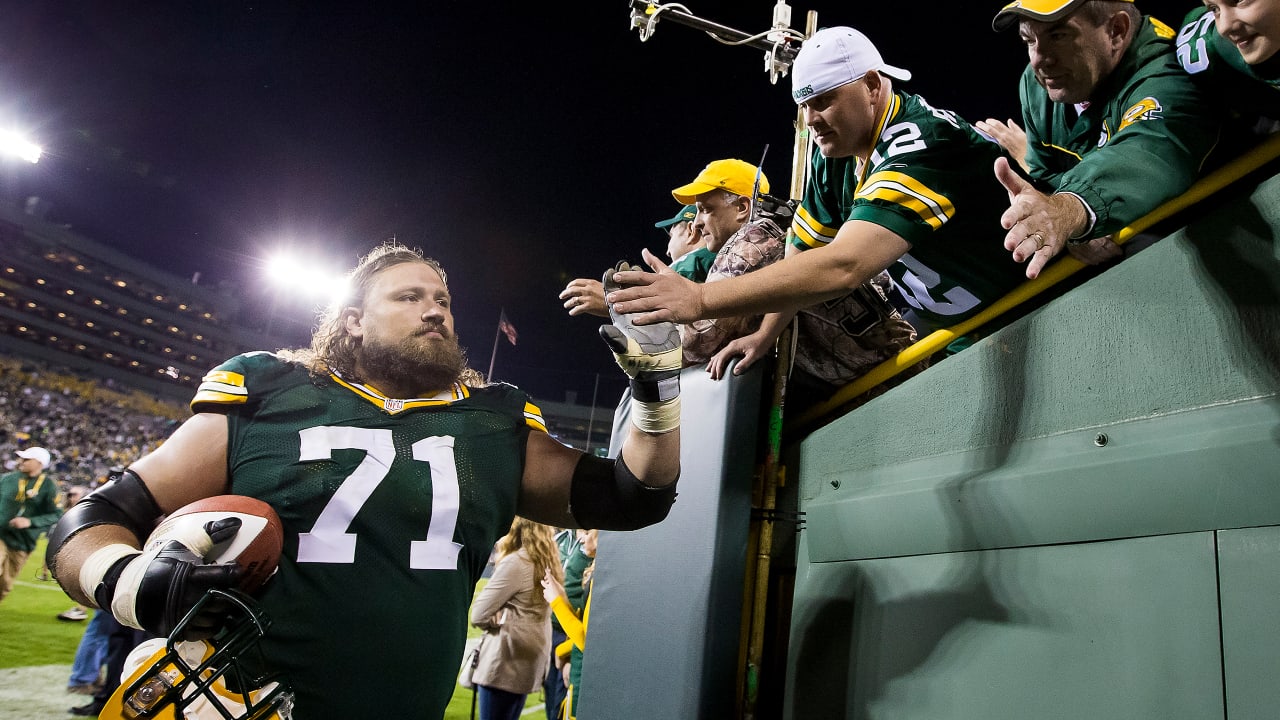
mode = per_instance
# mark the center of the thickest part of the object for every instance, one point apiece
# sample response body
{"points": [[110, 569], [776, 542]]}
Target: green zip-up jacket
{"points": [[33, 498], [1141, 140]]}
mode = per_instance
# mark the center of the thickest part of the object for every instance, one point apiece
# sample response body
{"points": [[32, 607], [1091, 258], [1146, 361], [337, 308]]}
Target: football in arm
{"points": [[256, 546]]}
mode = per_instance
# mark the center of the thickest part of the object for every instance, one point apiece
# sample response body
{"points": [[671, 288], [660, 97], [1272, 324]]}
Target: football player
{"points": [[393, 473], [896, 183]]}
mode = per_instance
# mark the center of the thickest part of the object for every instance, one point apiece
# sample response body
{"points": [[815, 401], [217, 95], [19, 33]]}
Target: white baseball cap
{"points": [[35, 453], [834, 57]]}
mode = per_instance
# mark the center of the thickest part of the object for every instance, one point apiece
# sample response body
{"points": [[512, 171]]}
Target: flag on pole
{"points": [[506, 328]]}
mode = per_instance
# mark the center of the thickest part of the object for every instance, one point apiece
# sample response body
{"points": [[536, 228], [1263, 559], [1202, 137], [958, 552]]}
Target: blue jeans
{"points": [[498, 704], [91, 654], [553, 685]]}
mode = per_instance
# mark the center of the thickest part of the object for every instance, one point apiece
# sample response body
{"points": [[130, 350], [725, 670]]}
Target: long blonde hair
{"points": [[538, 541]]}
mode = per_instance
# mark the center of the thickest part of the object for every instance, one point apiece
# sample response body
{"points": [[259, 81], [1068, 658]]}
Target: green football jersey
{"points": [[1206, 55], [390, 509], [929, 180], [1140, 141]]}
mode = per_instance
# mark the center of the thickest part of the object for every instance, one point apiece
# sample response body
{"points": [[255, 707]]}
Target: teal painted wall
{"points": [[974, 550]]}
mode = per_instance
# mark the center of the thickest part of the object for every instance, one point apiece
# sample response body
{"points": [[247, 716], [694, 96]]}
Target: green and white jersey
{"points": [[1206, 55], [1139, 141], [930, 181], [390, 509]]}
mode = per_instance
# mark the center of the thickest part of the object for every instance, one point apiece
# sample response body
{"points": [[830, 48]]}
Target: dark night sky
{"points": [[520, 144]]}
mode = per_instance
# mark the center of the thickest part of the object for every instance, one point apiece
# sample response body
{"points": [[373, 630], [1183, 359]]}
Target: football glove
{"points": [[651, 356], [154, 589]]}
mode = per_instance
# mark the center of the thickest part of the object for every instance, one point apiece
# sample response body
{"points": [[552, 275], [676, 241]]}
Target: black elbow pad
{"points": [[126, 502], [605, 495]]}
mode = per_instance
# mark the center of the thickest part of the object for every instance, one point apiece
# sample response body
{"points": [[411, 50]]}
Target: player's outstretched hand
{"points": [[644, 352], [650, 354], [652, 297], [155, 589]]}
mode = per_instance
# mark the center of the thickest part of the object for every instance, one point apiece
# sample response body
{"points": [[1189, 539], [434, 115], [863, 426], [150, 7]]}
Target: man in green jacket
{"points": [[28, 505], [1114, 126]]}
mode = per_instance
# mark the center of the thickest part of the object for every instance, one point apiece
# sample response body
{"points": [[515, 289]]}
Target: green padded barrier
{"points": [[1249, 573], [665, 609], [1119, 630], [1001, 485]]}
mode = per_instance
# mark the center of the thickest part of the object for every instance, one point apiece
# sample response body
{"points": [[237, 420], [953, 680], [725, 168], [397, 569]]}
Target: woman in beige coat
{"points": [[516, 621]]}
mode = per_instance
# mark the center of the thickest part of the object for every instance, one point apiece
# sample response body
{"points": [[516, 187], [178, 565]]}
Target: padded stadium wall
{"points": [[667, 600], [1077, 517]]}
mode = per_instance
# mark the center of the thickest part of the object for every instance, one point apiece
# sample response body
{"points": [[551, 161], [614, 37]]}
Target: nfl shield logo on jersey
{"points": [[392, 405]]}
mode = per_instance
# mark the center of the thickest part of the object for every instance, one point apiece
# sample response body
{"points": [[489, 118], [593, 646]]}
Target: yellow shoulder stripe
{"points": [[810, 231], [1162, 30], [533, 417], [904, 190], [221, 387]]}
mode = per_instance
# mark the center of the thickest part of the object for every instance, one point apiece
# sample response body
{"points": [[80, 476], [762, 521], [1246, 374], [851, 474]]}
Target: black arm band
{"points": [[126, 502], [606, 495]]}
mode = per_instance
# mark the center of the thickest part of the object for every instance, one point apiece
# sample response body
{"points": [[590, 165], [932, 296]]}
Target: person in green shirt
{"points": [[1114, 126], [1231, 46], [895, 184], [28, 505], [686, 245]]}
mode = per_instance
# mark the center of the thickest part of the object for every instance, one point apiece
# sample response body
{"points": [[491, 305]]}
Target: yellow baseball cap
{"points": [[736, 176], [1042, 10]]}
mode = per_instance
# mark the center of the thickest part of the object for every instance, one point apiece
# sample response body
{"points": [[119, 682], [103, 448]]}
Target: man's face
{"points": [[718, 219], [1070, 57], [682, 240], [30, 467], [842, 120], [1252, 25], [406, 330]]}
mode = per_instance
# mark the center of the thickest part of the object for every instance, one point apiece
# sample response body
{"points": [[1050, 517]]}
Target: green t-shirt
{"points": [[1235, 84], [694, 264], [390, 508], [929, 180], [1140, 141]]}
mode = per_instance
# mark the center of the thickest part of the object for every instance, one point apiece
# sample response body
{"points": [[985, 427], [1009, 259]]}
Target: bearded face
{"points": [[406, 343], [420, 360]]}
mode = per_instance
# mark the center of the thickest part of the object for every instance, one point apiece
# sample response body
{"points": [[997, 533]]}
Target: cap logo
{"points": [[803, 92]]}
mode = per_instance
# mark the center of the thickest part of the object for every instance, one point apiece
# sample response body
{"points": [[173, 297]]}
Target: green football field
{"points": [[36, 650]]}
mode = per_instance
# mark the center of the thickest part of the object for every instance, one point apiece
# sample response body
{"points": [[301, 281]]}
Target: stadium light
{"points": [[13, 143], [296, 275]]}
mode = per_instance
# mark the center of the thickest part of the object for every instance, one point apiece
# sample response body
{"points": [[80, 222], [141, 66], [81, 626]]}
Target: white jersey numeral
{"points": [[329, 541], [905, 138], [918, 279], [1193, 54]]}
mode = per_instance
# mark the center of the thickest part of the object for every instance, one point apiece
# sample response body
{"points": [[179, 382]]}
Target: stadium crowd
{"points": [[87, 428]]}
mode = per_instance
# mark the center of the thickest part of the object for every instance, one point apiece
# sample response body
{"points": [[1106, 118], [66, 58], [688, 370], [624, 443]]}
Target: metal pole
{"points": [[591, 420], [494, 355], [770, 474]]}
